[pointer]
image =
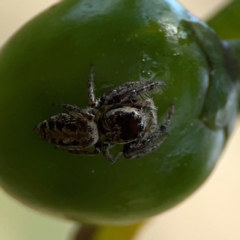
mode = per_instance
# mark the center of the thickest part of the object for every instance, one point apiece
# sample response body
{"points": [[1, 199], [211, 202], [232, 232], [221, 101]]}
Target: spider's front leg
{"points": [[106, 153], [94, 152], [147, 145], [130, 91], [142, 149], [92, 100]]}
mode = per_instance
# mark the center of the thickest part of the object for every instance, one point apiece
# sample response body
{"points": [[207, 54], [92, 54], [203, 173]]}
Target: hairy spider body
{"points": [[121, 116], [70, 130], [122, 125]]}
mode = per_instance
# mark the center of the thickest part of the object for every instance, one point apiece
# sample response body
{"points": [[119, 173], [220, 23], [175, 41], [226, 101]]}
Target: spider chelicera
{"points": [[123, 115]]}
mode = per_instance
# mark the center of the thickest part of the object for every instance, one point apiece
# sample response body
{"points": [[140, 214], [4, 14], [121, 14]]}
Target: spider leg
{"points": [[68, 107], [92, 100], [86, 152], [130, 91], [142, 147], [148, 149], [140, 104], [106, 153], [164, 127]]}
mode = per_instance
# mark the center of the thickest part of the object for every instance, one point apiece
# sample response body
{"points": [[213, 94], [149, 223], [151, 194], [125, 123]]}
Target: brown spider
{"points": [[126, 118]]}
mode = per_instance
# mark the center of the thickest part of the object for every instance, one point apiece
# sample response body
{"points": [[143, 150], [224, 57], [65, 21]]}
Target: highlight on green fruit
{"points": [[47, 62]]}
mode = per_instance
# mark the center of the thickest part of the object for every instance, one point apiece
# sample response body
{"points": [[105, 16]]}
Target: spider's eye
{"points": [[139, 119], [132, 114], [141, 127]]}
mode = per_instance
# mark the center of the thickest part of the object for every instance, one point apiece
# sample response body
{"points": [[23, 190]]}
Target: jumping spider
{"points": [[128, 117]]}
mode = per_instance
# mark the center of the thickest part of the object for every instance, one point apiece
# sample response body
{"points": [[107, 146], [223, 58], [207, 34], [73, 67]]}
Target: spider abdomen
{"points": [[67, 131]]}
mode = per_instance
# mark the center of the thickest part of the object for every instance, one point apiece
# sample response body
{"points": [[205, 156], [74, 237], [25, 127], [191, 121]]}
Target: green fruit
{"points": [[47, 62]]}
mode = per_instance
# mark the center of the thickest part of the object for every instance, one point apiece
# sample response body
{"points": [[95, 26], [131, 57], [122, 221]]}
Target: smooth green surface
{"points": [[47, 62]]}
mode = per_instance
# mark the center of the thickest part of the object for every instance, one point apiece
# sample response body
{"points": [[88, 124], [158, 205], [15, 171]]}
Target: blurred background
{"points": [[213, 212]]}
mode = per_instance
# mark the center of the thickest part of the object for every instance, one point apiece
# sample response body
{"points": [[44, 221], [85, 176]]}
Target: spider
{"points": [[127, 117]]}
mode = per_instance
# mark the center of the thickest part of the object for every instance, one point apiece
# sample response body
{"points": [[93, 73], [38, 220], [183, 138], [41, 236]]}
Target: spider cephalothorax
{"points": [[121, 116]]}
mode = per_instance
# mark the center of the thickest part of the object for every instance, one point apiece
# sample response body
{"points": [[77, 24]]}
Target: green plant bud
{"points": [[47, 61]]}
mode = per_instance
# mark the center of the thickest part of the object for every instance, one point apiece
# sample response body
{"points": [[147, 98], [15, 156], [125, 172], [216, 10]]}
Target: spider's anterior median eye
{"points": [[119, 117], [132, 114]]}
